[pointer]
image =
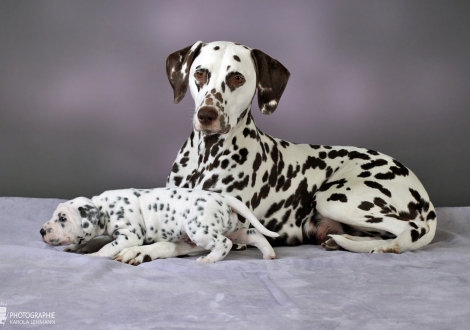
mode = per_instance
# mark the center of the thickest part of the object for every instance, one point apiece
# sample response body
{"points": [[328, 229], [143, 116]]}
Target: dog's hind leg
{"points": [[218, 244], [254, 238]]}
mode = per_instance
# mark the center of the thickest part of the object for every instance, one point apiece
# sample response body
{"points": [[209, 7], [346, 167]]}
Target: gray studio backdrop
{"points": [[85, 104]]}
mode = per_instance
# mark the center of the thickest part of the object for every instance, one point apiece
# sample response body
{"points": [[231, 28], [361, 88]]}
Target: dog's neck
{"points": [[101, 227]]}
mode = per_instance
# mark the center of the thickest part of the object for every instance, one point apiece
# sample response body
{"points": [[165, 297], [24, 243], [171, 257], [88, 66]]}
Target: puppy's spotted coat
{"points": [[133, 217], [348, 197]]}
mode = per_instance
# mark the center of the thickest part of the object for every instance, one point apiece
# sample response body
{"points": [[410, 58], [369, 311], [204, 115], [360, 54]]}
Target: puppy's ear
{"points": [[271, 80], [177, 69], [90, 217]]}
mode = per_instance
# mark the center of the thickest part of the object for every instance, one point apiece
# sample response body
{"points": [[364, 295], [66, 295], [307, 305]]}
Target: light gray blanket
{"points": [[304, 288]]}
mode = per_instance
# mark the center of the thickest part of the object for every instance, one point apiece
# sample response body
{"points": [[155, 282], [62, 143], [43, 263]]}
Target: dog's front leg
{"points": [[94, 245], [123, 240], [160, 250]]}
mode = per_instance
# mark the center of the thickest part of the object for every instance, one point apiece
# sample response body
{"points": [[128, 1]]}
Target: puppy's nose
{"points": [[207, 115], [43, 232]]}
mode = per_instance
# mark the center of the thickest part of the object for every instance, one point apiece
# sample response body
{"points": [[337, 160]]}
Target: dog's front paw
{"points": [[387, 249], [330, 245], [132, 256]]}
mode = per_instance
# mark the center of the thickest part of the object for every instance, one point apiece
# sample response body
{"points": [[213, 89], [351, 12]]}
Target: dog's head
{"points": [[223, 78], [73, 222]]}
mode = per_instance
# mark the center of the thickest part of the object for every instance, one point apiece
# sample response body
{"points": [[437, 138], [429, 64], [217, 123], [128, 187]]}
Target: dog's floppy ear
{"points": [[177, 69], [90, 217], [271, 80]]}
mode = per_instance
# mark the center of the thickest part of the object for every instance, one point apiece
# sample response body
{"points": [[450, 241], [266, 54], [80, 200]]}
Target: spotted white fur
{"points": [[133, 217], [340, 197]]}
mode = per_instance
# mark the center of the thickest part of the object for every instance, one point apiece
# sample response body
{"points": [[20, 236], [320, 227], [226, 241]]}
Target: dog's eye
{"points": [[234, 80], [200, 76], [62, 219]]}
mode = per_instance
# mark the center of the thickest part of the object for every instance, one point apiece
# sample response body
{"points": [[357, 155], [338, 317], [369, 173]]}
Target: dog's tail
{"points": [[419, 232], [244, 211]]}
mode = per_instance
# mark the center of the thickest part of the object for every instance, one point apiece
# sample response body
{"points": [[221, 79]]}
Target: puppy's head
{"points": [[73, 222]]}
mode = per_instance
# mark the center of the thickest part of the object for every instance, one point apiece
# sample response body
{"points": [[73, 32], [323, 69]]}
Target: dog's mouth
{"points": [[52, 241], [210, 131], [57, 241]]}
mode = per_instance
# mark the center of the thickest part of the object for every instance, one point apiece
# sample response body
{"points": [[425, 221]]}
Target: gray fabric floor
{"points": [[304, 288]]}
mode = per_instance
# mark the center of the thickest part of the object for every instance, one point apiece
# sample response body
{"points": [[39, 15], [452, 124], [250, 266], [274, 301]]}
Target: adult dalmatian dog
{"points": [[133, 217], [340, 197]]}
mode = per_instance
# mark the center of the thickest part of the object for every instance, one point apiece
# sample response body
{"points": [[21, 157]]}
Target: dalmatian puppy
{"points": [[340, 197], [133, 217]]}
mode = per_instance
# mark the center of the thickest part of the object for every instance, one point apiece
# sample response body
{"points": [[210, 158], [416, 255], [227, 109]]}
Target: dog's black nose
{"points": [[43, 232], [207, 115]]}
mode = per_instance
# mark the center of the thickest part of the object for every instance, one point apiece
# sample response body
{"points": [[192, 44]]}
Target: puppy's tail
{"points": [[245, 212]]}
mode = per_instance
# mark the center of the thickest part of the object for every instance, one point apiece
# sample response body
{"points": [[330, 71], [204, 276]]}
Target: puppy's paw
{"points": [[132, 256]]}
